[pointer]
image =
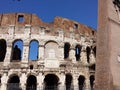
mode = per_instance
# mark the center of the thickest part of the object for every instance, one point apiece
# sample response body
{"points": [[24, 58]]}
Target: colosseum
{"points": [[35, 55]]}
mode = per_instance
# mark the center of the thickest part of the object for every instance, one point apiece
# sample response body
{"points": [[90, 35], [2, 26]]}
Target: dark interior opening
{"points": [[92, 32], [68, 82], [31, 67], [51, 82], [66, 50], [92, 78], [13, 83], [81, 81], [3, 47], [88, 54], [31, 83], [92, 67], [0, 79], [75, 26], [94, 50]]}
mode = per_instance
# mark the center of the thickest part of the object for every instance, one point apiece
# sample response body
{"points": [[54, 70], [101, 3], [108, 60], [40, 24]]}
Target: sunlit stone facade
{"points": [[59, 55]]}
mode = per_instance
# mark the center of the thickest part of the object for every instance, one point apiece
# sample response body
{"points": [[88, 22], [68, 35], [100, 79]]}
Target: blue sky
{"points": [[83, 11]]}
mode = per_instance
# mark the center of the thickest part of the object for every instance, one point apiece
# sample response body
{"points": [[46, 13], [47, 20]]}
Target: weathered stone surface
{"points": [[51, 38]]}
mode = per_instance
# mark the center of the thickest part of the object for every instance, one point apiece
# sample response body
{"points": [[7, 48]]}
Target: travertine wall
{"points": [[51, 38]]}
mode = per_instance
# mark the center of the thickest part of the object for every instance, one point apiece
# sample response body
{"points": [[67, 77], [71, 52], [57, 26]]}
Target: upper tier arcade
{"points": [[23, 19]]}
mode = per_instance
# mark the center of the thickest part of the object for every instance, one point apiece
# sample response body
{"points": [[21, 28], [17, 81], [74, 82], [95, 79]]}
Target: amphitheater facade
{"points": [[35, 55]]}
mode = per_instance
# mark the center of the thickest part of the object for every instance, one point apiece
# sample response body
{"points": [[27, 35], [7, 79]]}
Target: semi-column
{"points": [[4, 80], [41, 51], [8, 54], [87, 82], [40, 81], [83, 57], [75, 83], [23, 79], [25, 54], [72, 54], [61, 49], [62, 82]]}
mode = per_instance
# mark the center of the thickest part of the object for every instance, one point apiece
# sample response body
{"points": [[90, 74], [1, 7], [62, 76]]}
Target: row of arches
{"points": [[51, 82], [51, 50]]}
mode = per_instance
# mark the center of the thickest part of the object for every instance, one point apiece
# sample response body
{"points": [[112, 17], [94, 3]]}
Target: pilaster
{"points": [[23, 79], [40, 81], [83, 57], [72, 54], [41, 51], [8, 54], [4, 80], [62, 82]]}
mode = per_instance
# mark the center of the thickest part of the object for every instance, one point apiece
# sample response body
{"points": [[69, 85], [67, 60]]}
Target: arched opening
{"points": [[66, 50], [92, 78], [3, 46], [17, 50], [81, 81], [31, 83], [94, 50], [68, 82], [13, 83], [33, 50], [51, 50], [51, 82], [88, 53], [77, 52]]}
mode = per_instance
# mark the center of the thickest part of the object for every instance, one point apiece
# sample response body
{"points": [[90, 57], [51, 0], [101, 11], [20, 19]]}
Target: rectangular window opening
{"points": [[20, 18], [75, 26]]}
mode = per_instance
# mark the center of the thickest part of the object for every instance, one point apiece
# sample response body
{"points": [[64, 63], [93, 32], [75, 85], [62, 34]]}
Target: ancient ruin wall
{"points": [[58, 42]]}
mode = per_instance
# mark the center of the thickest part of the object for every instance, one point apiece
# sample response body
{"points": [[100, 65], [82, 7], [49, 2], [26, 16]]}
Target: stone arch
{"points": [[66, 50], [51, 82], [17, 49], [51, 49], [68, 81], [92, 78], [77, 52], [33, 47], [81, 82], [88, 50], [3, 47], [31, 83], [13, 82]]}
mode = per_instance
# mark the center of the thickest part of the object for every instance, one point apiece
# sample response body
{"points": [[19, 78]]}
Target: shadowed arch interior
{"points": [[81, 81], [92, 78], [88, 49], [68, 82], [13, 83], [3, 47], [31, 83], [51, 82], [66, 50]]}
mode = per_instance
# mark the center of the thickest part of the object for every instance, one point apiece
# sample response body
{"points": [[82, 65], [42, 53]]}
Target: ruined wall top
{"points": [[22, 19]]}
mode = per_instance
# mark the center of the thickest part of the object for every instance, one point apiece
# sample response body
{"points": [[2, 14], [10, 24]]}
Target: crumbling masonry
{"points": [[45, 56]]}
